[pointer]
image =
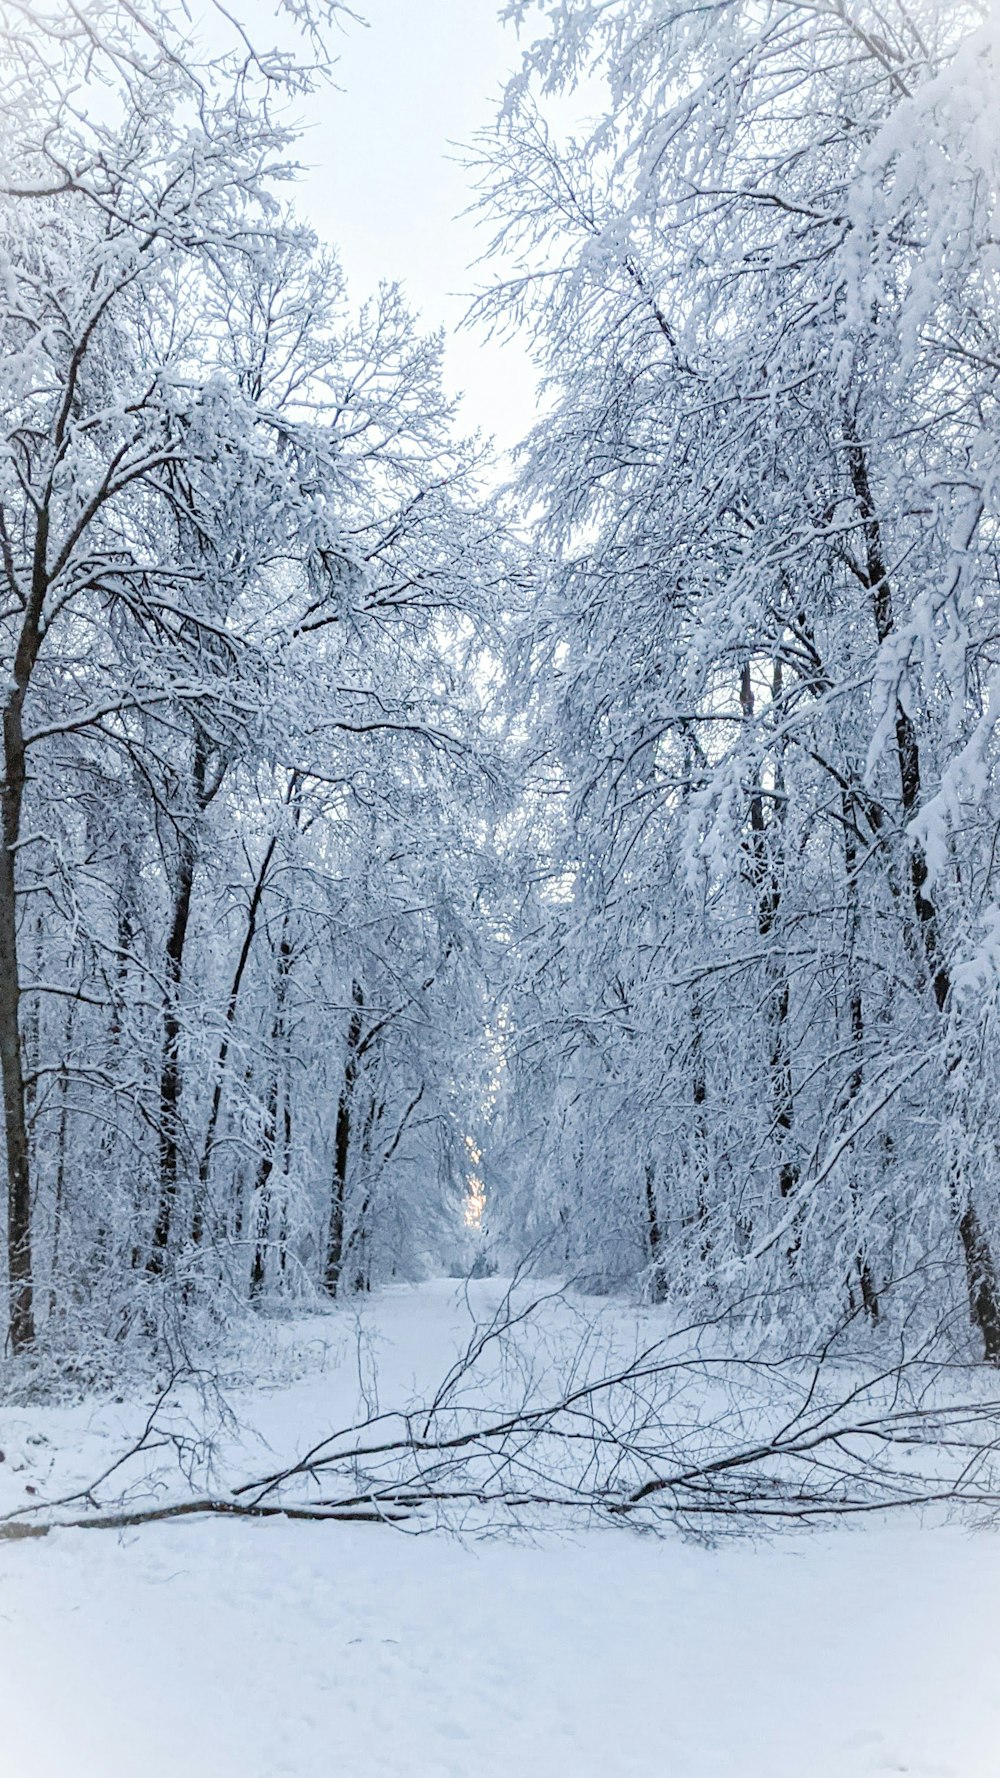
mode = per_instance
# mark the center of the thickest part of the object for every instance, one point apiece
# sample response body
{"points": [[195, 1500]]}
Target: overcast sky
{"points": [[422, 75]]}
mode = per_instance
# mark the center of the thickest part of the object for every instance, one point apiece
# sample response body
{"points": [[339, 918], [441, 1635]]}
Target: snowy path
{"points": [[215, 1649], [294, 1651]]}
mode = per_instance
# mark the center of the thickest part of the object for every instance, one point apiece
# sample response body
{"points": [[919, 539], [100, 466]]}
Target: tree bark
{"points": [[768, 887], [61, 1143], [333, 1268], [699, 1094], [658, 1282], [169, 1119], [865, 1276], [980, 1265], [262, 1188], [249, 934], [21, 1316]]}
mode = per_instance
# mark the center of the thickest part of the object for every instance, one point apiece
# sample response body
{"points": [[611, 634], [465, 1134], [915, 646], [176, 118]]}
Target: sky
{"points": [[383, 187]]}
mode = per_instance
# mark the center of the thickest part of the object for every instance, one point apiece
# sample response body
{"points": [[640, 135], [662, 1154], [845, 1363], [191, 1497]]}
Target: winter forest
{"points": [[522, 923]]}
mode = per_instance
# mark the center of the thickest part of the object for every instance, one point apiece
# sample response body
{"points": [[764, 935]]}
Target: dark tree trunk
{"points": [[169, 1125], [61, 1136], [333, 1268], [249, 934], [21, 1322], [654, 1232], [263, 1190], [699, 1094], [764, 874], [865, 1277], [980, 1265], [356, 1257], [981, 1276], [21, 1316]]}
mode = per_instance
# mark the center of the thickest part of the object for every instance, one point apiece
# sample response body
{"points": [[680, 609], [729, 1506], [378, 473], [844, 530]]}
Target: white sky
{"points": [[382, 188]]}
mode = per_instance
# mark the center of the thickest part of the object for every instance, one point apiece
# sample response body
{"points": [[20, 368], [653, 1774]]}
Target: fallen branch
{"points": [[670, 1433], [12, 1530]]}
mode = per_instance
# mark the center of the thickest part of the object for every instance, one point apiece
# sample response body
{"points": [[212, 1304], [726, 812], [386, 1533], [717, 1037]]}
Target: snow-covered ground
{"points": [[272, 1649]]}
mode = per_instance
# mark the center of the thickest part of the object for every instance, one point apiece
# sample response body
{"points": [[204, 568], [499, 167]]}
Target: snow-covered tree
{"points": [[763, 290], [245, 565]]}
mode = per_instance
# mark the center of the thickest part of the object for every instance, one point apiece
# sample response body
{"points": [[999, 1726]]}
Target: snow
{"points": [[276, 1649], [279, 1650]]}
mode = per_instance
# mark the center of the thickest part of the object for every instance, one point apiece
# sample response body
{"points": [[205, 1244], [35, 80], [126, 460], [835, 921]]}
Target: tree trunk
{"points": [[865, 1277], [262, 1189], [333, 1268], [766, 882], [169, 1119], [21, 1317], [657, 1276], [980, 1266], [249, 934], [980, 1272], [356, 1254], [262, 1192], [59, 1208], [699, 1094]]}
